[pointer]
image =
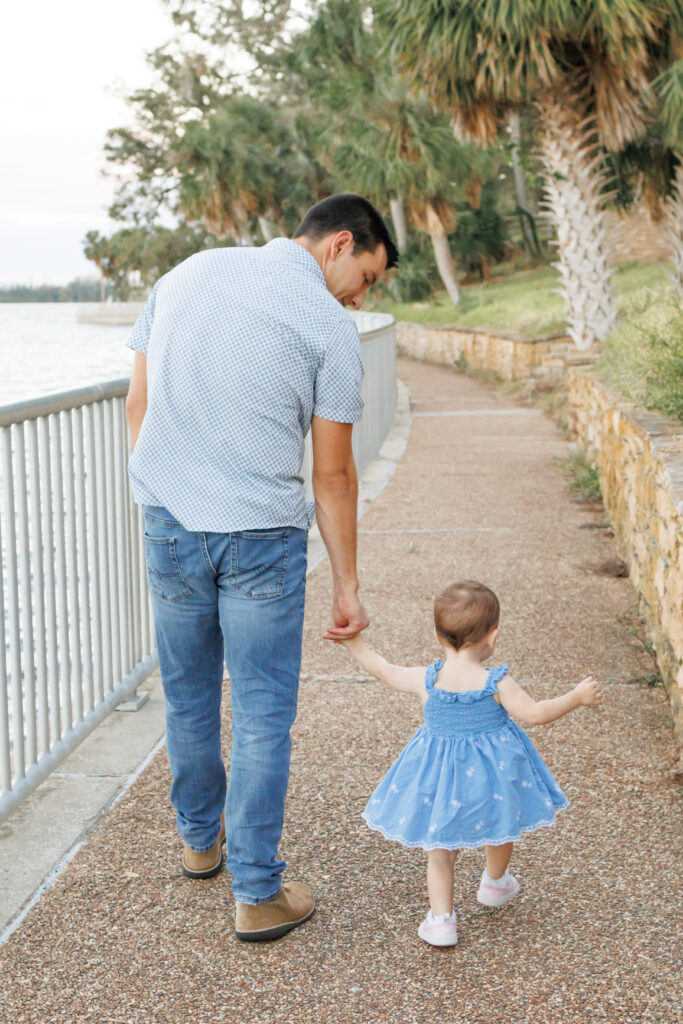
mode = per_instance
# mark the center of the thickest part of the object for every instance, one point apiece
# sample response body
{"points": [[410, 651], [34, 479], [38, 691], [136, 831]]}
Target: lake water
{"points": [[44, 350]]}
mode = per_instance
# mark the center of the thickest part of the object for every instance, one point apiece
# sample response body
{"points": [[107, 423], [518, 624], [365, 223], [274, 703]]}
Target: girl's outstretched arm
{"points": [[408, 680], [517, 701]]}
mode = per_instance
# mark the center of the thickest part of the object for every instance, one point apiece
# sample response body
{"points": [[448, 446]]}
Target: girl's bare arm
{"points": [[517, 701], [407, 680]]}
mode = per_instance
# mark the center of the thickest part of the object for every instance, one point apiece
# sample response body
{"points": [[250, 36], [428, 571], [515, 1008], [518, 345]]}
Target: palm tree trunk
{"points": [[673, 225], [574, 180], [523, 203], [398, 216], [268, 230], [442, 253], [241, 219], [515, 131]]}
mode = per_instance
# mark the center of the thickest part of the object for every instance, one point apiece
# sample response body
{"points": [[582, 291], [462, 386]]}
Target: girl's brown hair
{"points": [[465, 613]]}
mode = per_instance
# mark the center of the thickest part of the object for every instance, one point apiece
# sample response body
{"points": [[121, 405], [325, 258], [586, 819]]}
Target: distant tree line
{"points": [[81, 289]]}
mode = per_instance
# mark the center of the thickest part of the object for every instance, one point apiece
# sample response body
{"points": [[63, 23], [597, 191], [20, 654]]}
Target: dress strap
{"points": [[495, 676], [430, 675]]}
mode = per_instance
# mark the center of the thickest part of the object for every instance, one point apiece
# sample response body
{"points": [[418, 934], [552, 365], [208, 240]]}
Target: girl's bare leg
{"points": [[497, 859], [440, 865]]}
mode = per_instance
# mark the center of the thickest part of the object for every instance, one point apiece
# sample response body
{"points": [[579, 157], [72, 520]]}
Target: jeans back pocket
{"points": [[259, 564], [163, 569]]}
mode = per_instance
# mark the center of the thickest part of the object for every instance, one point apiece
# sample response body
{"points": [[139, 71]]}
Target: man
{"points": [[237, 353]]}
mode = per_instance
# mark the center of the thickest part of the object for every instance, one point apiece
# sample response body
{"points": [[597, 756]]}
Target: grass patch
{"points": [[582, 477], [643, 357], [554, 402], [633, 625], [526, 304]]}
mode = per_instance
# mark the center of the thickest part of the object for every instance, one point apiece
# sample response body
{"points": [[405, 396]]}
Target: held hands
{"points": [[354, 645], [348, 616], [588, 692]]}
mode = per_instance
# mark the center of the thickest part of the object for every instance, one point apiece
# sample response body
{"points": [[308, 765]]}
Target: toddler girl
{"points": [[470, 776]]}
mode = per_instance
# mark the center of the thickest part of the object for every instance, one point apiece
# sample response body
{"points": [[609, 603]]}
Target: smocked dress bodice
{"points": [[450, 714]]}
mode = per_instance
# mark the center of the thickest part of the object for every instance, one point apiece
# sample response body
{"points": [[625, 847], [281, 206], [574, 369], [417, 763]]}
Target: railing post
{"points": [[16, 690], [5, 762]]}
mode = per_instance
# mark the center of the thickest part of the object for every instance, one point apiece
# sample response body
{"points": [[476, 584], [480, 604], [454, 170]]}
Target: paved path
{"points": [[123, 937]]}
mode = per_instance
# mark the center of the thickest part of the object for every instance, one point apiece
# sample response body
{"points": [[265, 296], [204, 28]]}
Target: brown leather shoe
{"points": [[206, 864], [293, 905]]}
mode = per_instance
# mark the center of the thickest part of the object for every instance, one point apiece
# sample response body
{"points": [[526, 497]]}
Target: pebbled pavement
{"points": [[124, 938]]}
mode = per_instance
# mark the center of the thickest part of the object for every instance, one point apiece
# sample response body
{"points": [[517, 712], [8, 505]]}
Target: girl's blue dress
{"points": [[469, 776]]}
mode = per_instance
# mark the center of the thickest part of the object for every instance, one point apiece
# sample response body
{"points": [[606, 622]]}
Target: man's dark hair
{"points": [[348, 212]]}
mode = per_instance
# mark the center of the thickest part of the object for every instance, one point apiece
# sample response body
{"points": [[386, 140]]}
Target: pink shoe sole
{"points": [[492, 896]]}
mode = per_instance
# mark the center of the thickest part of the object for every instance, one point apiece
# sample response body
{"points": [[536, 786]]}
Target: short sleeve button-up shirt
{"points": [[243, 347]]}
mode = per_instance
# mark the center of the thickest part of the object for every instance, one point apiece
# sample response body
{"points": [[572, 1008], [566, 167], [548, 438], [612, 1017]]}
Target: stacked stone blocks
{"points": [[510, 357], [639, 458]]}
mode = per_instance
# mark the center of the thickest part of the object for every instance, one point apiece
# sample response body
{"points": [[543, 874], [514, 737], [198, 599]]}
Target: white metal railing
{"points": [[76, 636], [378, 349]]}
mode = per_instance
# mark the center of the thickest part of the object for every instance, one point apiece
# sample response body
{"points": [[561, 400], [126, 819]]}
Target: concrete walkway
{"points": [[123, 937]]}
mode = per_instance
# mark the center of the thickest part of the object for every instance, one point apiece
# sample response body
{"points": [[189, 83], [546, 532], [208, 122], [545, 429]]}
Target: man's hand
{"points": [[348, 616]]}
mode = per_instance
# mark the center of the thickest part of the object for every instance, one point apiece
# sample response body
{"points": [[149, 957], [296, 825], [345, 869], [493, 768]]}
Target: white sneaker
{"points": [[439, 931], [496, 892]]}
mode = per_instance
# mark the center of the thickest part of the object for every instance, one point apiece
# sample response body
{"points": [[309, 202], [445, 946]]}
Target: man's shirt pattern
{"points": [[243, 347]]}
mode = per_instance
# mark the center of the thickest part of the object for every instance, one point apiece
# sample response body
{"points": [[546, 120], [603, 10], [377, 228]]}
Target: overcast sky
{"points": [[60, 64]]}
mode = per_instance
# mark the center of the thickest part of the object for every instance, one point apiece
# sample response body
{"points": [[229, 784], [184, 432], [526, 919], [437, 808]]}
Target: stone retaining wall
{"points": [[639, 457], [510, 357]]}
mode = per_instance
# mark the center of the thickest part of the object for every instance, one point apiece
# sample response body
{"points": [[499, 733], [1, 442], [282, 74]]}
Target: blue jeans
{"points": [[238, 596]]}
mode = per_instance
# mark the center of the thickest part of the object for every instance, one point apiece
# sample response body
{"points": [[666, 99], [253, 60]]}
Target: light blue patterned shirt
{"points": [[243, 346]]}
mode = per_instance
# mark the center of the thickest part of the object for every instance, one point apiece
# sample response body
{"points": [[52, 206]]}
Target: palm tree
{"points": [[669, 87], [379, 137], [407, 152], [588, 66], [237, 168]]}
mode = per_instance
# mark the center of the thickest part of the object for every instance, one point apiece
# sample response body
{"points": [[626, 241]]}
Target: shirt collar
{"points": [[302, 257]]}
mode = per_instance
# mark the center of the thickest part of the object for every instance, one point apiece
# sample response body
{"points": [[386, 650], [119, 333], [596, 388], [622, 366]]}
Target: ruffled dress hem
{"points": [[462, 845]]}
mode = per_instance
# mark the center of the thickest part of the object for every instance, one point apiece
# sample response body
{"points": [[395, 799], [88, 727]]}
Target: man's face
{"points": [[347, 275]]}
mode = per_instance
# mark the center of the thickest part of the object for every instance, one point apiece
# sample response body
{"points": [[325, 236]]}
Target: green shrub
{"points": [[416, 275], [480, 234], [644, 356], [583, 478], [664, 385]]}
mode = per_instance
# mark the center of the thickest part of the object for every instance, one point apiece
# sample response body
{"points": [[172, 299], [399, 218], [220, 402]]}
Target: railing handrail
{"points": [[59, 401]]}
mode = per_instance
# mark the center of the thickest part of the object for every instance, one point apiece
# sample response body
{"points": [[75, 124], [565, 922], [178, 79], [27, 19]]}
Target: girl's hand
{"points": [[353, 643], [588, 692]]}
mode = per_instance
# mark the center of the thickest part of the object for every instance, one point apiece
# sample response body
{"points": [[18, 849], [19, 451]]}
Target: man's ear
{"points": [[341, 242], [491, 637]]}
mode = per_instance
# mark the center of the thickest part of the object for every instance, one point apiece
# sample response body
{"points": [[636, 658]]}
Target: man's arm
{"points": [[335, 486], [136, 400]]}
